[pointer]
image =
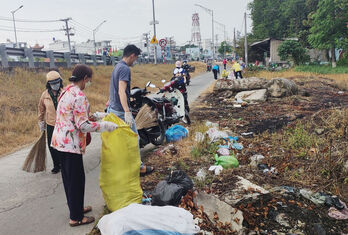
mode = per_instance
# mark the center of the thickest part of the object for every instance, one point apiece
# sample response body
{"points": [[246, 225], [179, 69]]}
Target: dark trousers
{"points": [[224, 66], [73, 175], [215, 73], [54, 152], [239, 73]]}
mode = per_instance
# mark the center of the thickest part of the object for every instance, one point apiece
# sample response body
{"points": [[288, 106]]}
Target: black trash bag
{"points": [[167, 194], [171, 190], [180, 178]]}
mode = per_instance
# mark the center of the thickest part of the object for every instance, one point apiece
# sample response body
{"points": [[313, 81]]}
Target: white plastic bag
{"points": [[141, 219], [214, 134]]}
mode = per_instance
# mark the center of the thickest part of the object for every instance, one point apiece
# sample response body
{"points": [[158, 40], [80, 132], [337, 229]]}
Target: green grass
{"points": [[322, 69]]}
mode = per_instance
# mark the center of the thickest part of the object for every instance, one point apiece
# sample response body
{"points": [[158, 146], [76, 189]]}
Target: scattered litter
{"points": [[226, 161], [319, 131], [239, 100], [141, 219], [176, 133], [257, 157], [223, 151], [283, 220], [334, 201], [217, 169], [168, 149], [201, 174], [248, 134], [237, 146], [339, 214], [266, 169], [199, 137], [171, 190], [211, 124], [214, 134], [341, 92], [237, 105]]}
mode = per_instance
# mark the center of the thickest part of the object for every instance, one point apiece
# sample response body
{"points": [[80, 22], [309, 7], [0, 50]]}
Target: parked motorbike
{"points": [[188, 69], [175, 91], [163, 107]]}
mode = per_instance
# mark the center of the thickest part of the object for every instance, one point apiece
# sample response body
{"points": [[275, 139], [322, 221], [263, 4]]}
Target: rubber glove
{"points": [[128, 118], [42, 126], [98, 116], [107, 126]]}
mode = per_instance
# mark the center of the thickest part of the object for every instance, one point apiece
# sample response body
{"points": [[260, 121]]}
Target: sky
{"points": [[126, 20]]}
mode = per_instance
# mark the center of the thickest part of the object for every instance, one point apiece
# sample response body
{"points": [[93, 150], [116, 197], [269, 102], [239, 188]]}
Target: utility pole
{"points": [[246, 40], [67, 31], [94, 32], [146, 37], [14, 23], [154, 28], [211, 12]]}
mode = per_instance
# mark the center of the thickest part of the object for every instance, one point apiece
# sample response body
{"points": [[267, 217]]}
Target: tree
{"points": [[293, 49], [224, 48], [329, 27]]}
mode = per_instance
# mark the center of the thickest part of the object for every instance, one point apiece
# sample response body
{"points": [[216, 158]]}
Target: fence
{"points": [[28, 58]]}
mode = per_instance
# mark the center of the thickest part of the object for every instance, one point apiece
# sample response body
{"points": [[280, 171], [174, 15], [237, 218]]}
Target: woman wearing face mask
{"points": [[69, 138], [47, 112]]}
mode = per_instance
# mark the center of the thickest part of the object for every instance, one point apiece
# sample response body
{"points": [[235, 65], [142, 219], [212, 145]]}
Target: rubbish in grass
{"points": [[176, 133], [237, 146], [237, 105], [226, 161], [341, 214], [217, 169], [199, 137], [248, 134], [214, 134], [223, 151], [143, 219], [341, 92], [146, 118], [171, 190], [334, 201], [201, 174], [266, 169], [212, 124], [257, 157]]}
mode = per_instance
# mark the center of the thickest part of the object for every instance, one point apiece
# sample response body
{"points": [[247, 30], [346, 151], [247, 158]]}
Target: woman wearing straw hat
{"points": [[47, 112], [69, 138]]}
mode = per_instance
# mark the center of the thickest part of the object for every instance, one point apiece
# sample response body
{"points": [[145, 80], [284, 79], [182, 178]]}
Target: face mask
{"points": [[55, 87], [88, 84]]}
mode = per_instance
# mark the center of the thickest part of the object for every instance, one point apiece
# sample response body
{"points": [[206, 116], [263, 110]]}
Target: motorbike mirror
{"points": [[148, 83], [152, 85], [163, 81]]}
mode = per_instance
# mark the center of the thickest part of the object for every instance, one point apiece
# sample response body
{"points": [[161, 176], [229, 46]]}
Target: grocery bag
{"points": [[120, 166]]}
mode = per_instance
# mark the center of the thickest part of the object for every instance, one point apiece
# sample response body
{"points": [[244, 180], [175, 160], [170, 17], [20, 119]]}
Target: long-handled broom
{"points": [[37, 155], [146, 118]]}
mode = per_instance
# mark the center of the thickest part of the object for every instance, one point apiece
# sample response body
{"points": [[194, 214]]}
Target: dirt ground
{"points": [[305, 137]]}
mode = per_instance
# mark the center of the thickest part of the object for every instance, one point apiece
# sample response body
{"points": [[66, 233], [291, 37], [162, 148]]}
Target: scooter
{"points": [[163, 107], [174, 91]]}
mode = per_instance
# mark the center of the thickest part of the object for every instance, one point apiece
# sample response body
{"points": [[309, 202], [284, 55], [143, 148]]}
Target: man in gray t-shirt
{"points": [[119, 101]]}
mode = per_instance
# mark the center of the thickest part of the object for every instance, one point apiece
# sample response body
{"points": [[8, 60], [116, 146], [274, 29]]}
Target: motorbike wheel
{"points": [[160, 139]]}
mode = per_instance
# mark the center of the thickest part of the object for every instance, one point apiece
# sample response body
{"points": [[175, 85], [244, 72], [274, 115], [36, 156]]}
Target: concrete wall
{"points": [[275, 58]]}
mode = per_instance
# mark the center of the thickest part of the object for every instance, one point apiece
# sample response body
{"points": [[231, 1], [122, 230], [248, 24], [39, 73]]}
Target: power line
{"points": [[32, 31], [28, 21]]}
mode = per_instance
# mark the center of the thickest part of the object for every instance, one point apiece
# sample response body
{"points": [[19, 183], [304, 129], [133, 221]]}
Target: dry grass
{"points": [[340, 80], [20, 91]]}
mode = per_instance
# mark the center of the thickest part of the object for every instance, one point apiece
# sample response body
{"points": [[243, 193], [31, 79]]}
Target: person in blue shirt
{"points": [[216, 70]]}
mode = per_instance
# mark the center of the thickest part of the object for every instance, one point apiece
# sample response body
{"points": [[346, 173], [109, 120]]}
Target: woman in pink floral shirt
{"points": [[69, 138]]}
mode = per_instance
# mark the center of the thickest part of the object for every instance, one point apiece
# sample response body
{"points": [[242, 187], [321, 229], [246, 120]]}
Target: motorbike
{"points": [[167, 115], [188, 69], [175, 91]]}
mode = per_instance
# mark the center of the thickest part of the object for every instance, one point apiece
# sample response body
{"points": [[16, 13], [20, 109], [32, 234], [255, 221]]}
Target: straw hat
{"points": [[52, 75]]}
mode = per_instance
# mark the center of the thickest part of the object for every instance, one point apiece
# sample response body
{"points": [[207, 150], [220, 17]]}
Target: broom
{"points": [[146, 118], [37, 155]]}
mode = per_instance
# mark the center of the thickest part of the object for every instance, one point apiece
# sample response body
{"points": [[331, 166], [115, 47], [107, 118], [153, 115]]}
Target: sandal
{"points": [[149, 170], [87, 209], [81, 222]]}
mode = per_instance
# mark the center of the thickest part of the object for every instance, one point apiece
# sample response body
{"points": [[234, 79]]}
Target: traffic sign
{"points": [[163, 42], [154, 40]]}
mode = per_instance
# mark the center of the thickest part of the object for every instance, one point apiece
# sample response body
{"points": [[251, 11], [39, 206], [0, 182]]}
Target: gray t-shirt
{"points": [[121, 72]]}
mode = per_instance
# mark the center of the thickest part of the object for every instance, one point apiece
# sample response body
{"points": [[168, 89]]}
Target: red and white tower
{"points": [[196, 31]]}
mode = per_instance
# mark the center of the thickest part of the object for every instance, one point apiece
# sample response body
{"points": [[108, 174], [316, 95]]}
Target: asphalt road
{"points": [[36, 204]]}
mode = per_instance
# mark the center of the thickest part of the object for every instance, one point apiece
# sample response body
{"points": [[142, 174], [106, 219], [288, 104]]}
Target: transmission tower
{"points": [[196, 31]]}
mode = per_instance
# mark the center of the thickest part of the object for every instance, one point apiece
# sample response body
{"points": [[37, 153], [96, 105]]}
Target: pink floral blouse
{"points": [[72, 113]]}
